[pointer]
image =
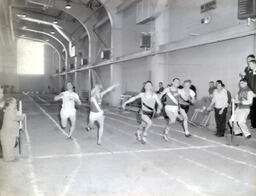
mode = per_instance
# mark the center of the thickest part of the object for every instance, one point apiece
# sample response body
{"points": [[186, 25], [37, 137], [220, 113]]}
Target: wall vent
{"points": [[145, 41], [246, 9]]}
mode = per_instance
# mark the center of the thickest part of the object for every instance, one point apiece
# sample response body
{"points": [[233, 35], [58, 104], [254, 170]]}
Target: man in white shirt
{"points": [[68, 110], [243, 100], [220, 102]]}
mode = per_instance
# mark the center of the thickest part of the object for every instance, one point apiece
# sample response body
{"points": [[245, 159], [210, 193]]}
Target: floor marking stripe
{"points": [[189, 187], [41, 99], [212, 170], [194, 162], [135, 127], [195, 135], [185, 143], [32, 174], [120, 152], [75, 172], [217, 172]]}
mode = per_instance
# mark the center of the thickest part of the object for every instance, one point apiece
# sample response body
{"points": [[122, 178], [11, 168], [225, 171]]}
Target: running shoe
{"points": [[143, 140], [165, 137], [138, 136]]}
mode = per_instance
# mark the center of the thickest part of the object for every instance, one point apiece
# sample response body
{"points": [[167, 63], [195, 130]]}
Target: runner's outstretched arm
{"points": [[132, 99], [109, 89]]}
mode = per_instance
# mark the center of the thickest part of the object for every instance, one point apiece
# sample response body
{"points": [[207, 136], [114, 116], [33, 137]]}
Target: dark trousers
{"points": [[221, 120], [1, 123], [253, 113], [185, 107]]}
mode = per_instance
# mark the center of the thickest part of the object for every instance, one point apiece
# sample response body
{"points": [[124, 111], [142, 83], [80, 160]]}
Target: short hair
{"points": [[251, 56], [175, 79], [220, 81], [211, 82], [188, 81], [148, 82], [243, 80], [252, 61], [160, 82]]}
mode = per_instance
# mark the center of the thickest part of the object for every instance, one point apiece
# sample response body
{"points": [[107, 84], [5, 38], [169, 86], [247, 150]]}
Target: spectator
{"points": [[220, 102], [250, 77], [247, 68], [10, 130], [143, 87], [244, 100], [161, 88], [12, 89], [1, 112], [1, 106], [212, 87], [193, 88]]}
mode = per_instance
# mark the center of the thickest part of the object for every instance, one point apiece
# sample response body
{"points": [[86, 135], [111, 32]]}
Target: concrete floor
{"points": [[51, 165]]}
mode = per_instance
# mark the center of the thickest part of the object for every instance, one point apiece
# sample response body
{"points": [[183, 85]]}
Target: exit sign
{"points": [[208, 6]]}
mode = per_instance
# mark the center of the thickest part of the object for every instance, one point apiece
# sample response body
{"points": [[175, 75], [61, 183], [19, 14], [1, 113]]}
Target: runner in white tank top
{"points": [[68, 110], [148, 101], [96, 112]]}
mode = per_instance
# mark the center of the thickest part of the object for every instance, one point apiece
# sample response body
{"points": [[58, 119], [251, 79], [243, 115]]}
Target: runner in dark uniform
{"points": [[148, 100]]}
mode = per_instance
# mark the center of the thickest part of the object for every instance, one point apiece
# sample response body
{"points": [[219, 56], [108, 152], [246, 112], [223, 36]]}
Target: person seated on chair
{"points": [[243, 100], [10, 130]]}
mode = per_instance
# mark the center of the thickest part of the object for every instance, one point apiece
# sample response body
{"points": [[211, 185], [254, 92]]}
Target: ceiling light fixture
{"points": [[55, 21], [22, 15], [52, 32], [68, 6], [47, 40]]}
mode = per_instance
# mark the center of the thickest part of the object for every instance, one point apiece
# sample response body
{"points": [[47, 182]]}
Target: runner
{"points": [[96, 112], [148, 100], [68, 110], [172, 109]]}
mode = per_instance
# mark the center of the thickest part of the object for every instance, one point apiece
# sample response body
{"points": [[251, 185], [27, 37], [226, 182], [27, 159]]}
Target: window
{"points": [[30, 57]]}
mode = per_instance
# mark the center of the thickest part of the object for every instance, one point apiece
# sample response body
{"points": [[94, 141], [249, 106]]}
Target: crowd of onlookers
{"points": [[221, 102], [8, 89]]}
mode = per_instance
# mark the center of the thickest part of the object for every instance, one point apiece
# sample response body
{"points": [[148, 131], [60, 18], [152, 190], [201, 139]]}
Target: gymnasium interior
{"points": [[45, 44]]}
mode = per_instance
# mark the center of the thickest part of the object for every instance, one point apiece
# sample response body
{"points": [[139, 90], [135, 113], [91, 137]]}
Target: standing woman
{"points": [[220, 102], [10, 130], [96, 112], [148, 100]]}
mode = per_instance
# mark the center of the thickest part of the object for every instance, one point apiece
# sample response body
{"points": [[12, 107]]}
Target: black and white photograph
{"points": [[127, 97]]}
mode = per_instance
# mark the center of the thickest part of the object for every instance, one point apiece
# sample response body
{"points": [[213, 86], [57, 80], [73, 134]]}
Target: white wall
{"points": [[223, 60], [134, 73], [183, 17], [40, 82]]}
